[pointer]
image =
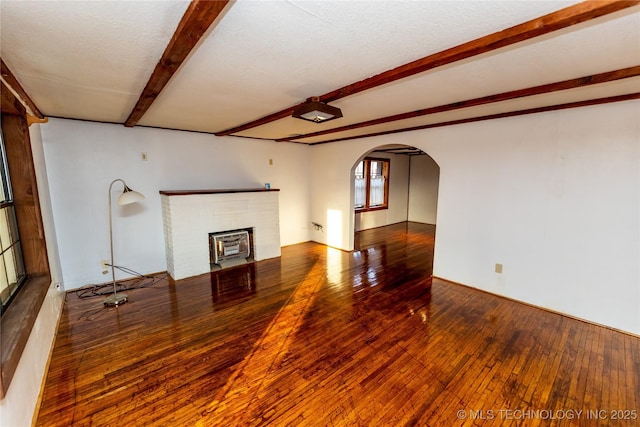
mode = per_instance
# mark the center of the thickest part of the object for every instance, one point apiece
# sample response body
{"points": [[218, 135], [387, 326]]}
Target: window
{"points": [[22, 208], [371, 185], [12, 272]]}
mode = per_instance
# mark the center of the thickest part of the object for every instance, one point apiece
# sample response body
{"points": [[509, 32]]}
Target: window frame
{"points": [[18, 320], [7, 205], [386, 168]]}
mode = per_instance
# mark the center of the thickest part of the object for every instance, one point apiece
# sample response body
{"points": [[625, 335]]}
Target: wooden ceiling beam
{"points": [[194, 23], [10, 104], [598, 101], [13, 82], [505, 96], [546, 24]]}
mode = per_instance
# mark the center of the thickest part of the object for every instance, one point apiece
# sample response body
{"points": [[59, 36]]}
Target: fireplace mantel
{"points": [[215, 191], [189, 216]]}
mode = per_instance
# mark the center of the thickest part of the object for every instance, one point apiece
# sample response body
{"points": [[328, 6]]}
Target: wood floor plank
{"points": [[326, 337]]}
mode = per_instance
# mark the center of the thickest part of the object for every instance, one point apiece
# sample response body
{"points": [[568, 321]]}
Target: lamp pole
{"points": [[128, 196]]}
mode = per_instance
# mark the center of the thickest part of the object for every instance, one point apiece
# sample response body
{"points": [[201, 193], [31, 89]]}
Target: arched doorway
{"points": [[410, 182], [393, 185]]}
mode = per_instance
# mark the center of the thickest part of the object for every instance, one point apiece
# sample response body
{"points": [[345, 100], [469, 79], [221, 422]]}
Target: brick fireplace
{"points": [[190, 216]]}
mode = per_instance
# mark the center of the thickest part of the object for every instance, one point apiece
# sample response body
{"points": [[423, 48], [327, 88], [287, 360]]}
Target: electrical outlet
{"points": [[499, 268], [105, 267]]}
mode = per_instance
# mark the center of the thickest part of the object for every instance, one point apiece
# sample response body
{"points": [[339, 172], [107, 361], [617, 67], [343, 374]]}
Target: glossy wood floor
{"points": [[324, 337]]}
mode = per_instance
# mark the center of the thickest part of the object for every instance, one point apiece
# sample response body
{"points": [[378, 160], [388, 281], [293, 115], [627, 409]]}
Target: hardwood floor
{"points": [[324, 337]]}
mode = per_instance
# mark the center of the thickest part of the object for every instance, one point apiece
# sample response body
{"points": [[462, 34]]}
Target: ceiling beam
{"points": [[554, 21], [505, 96], [407, 151], [598, 101], [194, 23], [9, 103], [13, 82]]}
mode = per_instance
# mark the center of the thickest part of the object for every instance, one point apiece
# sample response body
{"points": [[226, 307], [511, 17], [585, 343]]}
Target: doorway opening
{"points": [[394, 185]]}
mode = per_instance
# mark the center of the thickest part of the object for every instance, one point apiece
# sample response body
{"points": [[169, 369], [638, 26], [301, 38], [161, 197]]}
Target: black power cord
{"points": [[105, 289]]}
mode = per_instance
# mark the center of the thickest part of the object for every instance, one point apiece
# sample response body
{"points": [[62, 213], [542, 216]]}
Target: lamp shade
{"points": [[129, 196]]}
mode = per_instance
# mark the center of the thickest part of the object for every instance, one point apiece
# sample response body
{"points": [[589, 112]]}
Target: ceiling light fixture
{"points": [[315, 111]]}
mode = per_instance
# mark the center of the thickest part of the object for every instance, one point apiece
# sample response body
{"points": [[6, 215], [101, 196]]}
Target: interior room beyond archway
{"points": [[393, 184]]}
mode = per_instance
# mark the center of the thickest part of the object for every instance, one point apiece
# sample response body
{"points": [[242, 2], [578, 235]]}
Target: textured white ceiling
{"points": [[91, 59], [86, 59]]}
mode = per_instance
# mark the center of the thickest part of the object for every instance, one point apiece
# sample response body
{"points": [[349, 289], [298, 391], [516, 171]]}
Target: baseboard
{"points": [[125, 279], [569, 316], [394, 223]]}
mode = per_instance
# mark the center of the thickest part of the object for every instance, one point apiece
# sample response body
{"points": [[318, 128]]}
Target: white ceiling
{"points": [[90, 60]]}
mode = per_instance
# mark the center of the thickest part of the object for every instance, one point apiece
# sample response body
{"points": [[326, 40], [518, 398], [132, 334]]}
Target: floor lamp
{"points": [[127, 197]]}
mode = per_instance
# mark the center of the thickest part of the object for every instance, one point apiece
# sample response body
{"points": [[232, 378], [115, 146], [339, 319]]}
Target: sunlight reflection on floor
{"points": [[263, 358]]}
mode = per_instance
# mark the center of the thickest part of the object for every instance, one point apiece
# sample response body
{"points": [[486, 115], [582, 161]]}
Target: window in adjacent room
{"points": [[372, 185], [12, 272]]}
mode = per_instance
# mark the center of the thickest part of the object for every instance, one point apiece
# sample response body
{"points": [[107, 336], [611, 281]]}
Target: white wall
{"points": [[398, 195], [332, 192], [554, 197], [423, 189], [18, 406], [83, 158]]}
